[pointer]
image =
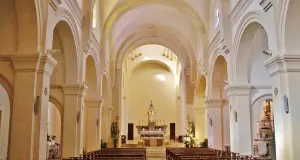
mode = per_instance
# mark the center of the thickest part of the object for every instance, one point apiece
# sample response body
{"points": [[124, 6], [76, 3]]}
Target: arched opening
{"points": [[219, 114], [92, 109], [65, 73], [252, 54], [4, 121], [54, 132], [150, 73]]}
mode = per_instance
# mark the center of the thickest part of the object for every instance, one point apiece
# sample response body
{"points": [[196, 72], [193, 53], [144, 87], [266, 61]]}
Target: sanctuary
{"points": [[153, 132]]}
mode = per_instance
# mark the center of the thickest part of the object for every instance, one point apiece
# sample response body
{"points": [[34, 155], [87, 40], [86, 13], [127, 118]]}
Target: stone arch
{"points": [[123, 7], [157, 31], [19, 29], [187, 53], [8, 87], [249, 18], [219, 75], [250, 57], [63, 15], [63, 50], [291, 32]]}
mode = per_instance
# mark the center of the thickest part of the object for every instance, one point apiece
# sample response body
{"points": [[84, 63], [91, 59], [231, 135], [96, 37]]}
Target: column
{"points": [[93, 128], [106, 121], [285, 74], [73, 119], [213, 107], [199, 119], [240, 118], [28, 137]]}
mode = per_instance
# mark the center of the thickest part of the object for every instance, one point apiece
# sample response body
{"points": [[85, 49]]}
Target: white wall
{"points": [[144, 86], [54, 122], [4, 130]]}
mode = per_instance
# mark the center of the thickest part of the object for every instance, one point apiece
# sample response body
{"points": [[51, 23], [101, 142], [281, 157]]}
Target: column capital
{"points": [[75, 89], [216, 102], [47, 64], [283, 63], [96, 103], [238, 89], [25, 63]]}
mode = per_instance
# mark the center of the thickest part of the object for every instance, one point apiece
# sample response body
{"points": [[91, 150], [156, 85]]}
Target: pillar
{"points": [[240, 125], [199, 120], [28, 137], [106, 121], [214, 111], [285, 74], [93, 128], [73, 119]]}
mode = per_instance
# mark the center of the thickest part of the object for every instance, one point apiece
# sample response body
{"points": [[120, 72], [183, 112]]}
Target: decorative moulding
{"points": [[55, 3], [238, 10], [238, 89], [266, 4], [75, 10], [214, 43]]}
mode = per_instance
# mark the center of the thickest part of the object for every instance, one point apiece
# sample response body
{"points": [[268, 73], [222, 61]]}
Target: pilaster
{"points": [[93, 124], [30, 106], [106, 121], [73, 120], [240, 118], [199, 119], [214, 128], [285, 74]]}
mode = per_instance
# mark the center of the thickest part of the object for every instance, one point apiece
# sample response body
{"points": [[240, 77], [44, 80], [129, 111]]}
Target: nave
{"points": [[79, 77]]}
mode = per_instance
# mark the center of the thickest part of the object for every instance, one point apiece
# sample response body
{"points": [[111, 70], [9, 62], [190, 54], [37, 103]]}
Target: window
{"points": [[217, 14]]}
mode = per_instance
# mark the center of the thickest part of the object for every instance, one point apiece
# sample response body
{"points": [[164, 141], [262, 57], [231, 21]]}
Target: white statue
{"points": [[151, 113]]}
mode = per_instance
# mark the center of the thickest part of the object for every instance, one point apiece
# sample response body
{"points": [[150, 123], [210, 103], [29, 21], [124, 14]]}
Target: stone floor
{"points": [[156, 153]]}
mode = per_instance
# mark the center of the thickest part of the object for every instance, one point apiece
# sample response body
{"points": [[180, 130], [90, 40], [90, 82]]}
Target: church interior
{"points": [[149, 79]]}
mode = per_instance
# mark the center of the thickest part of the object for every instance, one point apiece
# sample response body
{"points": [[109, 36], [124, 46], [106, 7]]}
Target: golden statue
{"points": [[151, 113], [267, 110]]}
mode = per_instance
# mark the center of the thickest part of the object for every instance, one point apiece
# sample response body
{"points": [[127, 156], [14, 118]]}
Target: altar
{"points": [[152, 132]]}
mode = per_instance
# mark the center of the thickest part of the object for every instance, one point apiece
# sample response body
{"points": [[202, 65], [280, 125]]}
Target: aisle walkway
{"points": [[156, 153]]}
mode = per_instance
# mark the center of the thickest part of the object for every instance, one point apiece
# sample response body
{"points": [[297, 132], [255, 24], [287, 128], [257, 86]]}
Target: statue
{"points": [[151, 113]]}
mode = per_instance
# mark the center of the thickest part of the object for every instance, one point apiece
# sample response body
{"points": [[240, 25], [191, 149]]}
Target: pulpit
{"points": [[152, 132]]}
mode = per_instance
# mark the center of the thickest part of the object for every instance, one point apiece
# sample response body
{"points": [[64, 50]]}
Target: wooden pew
{"points": [[113, 154]]}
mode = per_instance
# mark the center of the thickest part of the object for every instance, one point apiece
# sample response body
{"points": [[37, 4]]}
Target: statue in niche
{"points": [[151, 113]]}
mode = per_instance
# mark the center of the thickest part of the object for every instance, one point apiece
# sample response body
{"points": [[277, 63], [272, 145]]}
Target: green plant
{"points": [[103, 144], [204, 143]]}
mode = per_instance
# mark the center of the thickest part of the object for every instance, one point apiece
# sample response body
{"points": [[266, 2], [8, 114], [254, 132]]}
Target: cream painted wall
{"points": [[54, 122], [145, 86]]}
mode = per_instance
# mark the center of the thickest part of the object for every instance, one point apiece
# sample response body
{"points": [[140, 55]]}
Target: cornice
{"points": [[75, 10], [238, 10], [238, 89], [75, 89], [26, 63], [283, 63], [213, 102]]}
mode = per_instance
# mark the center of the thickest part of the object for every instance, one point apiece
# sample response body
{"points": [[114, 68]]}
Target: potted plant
{"points": [[204, 143], [115, 141], [103, 144]]}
